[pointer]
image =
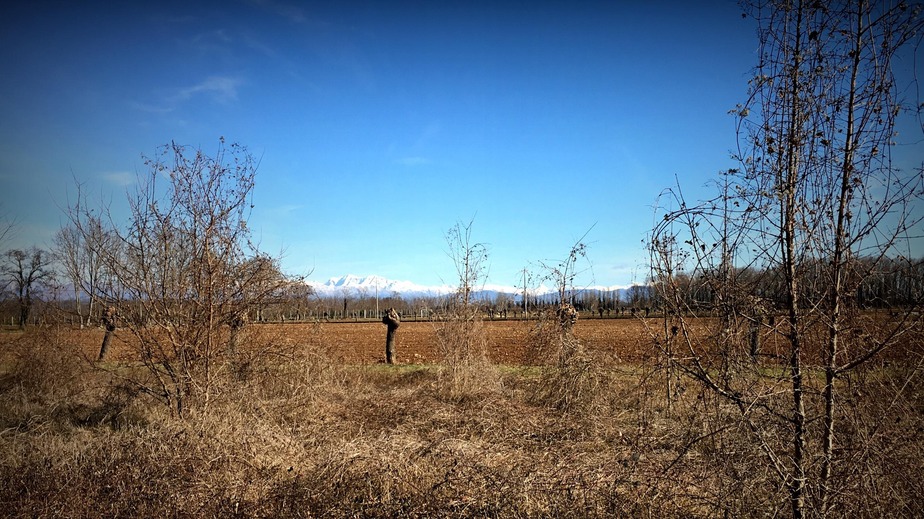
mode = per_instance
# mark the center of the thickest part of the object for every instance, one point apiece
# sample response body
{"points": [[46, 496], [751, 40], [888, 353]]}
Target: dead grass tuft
{"points": [[466, 371], [572, 377]]}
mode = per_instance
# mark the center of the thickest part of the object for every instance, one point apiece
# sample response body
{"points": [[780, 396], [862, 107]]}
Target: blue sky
{"points": [[379, 125]]}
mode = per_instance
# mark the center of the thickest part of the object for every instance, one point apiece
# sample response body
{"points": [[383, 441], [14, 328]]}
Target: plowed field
{"points": [[364, 342], [508, 341]]}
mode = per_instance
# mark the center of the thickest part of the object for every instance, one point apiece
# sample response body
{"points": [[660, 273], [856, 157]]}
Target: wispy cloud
{"points": [[289, 208], [283, 210], [119, 178], [416, 153], [220, 89]]}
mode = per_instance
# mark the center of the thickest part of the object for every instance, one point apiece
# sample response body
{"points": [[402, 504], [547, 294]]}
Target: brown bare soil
{"points": [[364, 342], [509, 341]]}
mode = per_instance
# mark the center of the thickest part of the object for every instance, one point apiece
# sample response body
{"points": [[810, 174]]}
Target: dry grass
{"points": [[465, 369], [290, 431]]}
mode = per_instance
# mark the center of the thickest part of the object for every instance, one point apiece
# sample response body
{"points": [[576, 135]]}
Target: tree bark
{"points": [[838, 263], [237, 322], [392, 320], [109, 323], [755, 337]]}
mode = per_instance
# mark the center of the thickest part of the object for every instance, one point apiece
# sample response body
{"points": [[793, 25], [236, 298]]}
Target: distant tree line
{"points": [[880, 283], [36, 293]]}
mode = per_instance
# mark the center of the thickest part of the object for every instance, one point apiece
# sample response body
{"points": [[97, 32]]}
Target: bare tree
{"points": [[470, 259], [7, 226], [69, 254], [571, 382], [184, 270], [80, 248], [563, 274], [817, 191], [259, 281], [25, 272], [462, 340]]}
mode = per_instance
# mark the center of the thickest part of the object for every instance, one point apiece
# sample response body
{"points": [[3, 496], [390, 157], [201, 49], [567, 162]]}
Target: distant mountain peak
{"points": [[352, 280], [373, 285], [353, 285]]}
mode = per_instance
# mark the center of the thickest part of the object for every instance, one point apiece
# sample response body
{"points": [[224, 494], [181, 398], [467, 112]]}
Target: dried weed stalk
{"points": [[462, 340]]}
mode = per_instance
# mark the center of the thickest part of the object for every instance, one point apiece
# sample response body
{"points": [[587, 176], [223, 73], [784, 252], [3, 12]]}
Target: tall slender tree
{"points": [[819, 189], [80, 248]]}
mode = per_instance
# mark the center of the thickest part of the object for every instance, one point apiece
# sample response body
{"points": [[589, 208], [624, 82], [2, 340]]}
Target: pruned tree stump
{"points": [[236, 323], [109, 322], [392, 320], [567, 316]]}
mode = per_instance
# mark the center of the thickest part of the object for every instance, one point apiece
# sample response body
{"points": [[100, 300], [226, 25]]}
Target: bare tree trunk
{"points": [[236, 325], [77, 306], [794, 334], [754, 339], [392, 320], [23, 315], [838, 263], [109, 323], [89, 311], [669, 335], [795, 140], [797, 485]]}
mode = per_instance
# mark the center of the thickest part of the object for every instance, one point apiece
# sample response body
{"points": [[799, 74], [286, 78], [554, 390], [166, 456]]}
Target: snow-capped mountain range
{"points": [[377, 286], [370, 286]]}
